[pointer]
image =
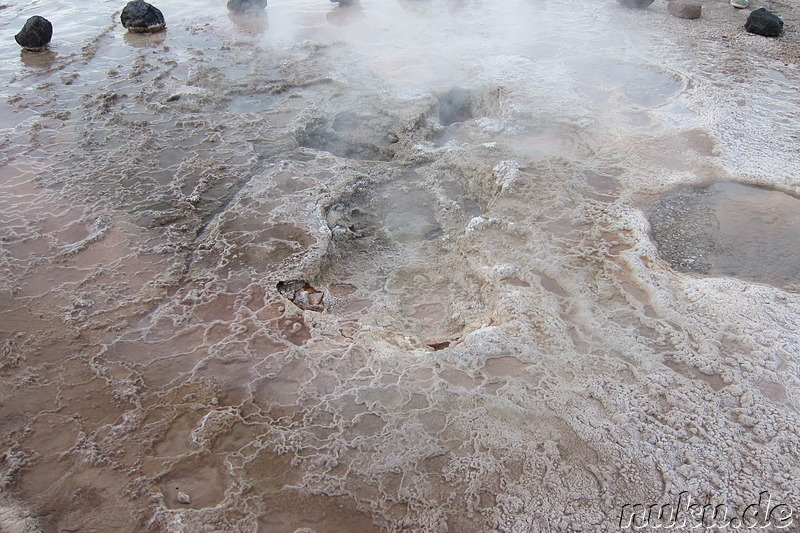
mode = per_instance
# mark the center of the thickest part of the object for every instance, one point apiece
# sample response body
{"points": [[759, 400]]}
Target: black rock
{"points": [[140, 17], [641, 4], [241, 6], [35, 34], [301, 294], [764, 23]]}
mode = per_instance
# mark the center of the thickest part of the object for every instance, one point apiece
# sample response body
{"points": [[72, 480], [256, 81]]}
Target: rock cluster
{"points": [[760, 21], [302, 294], [140, 17]]}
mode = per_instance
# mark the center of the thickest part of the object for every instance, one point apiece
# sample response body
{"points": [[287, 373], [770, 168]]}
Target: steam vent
{"points": [[407, 266]]}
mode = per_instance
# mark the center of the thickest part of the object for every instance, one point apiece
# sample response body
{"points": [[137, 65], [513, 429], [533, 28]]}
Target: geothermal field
{"points": [[432, 266]]}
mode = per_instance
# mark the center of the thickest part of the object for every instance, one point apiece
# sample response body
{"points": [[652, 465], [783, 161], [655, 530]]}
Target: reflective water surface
{"points": [[730, 229]]}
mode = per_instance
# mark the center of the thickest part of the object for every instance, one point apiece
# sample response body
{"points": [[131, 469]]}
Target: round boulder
{"points": [[140, 17], [684, 10], [762, 22], [35, 34], [243, 6], [640, 4]]}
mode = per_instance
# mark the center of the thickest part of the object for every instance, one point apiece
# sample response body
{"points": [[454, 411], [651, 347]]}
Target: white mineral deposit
{"points": [[430, 266]]}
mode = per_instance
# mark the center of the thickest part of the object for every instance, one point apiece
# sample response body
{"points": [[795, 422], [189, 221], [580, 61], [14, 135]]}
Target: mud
{"points": [[489, 338]]}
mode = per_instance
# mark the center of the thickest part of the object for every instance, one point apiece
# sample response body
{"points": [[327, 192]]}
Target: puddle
{"points": [[639, 85], [730, 229], [379, 268]]}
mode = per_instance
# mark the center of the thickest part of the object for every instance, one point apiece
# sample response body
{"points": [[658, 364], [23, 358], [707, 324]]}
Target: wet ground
{"points": [[730, 229], [415, 266]]}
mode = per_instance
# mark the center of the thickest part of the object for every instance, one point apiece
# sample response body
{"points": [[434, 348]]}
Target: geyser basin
{"points": [[385, 277], [730, 229]]}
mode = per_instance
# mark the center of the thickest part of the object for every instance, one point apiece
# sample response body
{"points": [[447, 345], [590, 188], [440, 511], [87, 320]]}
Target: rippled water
{"points": [[463, 188]]}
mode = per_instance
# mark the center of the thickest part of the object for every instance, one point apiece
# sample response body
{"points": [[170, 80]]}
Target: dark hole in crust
{"points": [[439, 345]]}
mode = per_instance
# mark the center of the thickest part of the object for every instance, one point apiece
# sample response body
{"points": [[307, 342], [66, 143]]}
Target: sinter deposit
{"points": [[403, 266]]}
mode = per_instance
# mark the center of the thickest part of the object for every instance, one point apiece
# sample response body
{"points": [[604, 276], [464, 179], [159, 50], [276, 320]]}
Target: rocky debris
{"points": [[684, 10], [140, 17], [183, 498], [35, 34], [640, 4], [345, 2], [302, 294], [243, 6], [763, 22], [439, 345], [350, 219]]}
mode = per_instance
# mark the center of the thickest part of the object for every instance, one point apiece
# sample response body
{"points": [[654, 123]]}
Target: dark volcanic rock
{"points": [[635, 3], [764, 23], [684, 10], [241, 6], [139, 16], [35, 34]]}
